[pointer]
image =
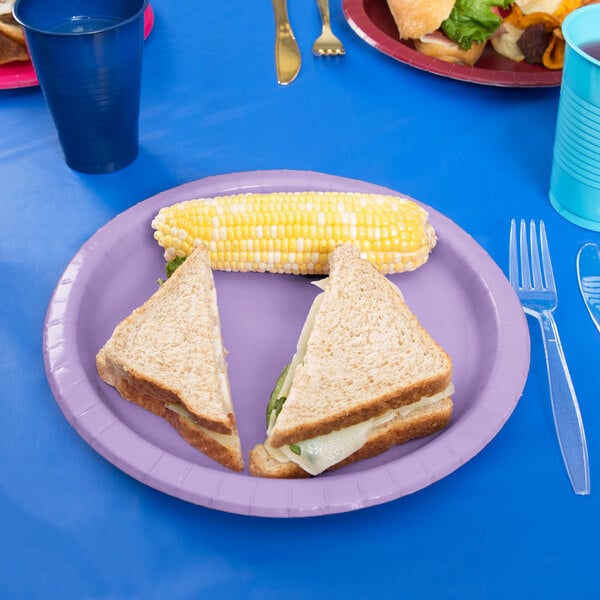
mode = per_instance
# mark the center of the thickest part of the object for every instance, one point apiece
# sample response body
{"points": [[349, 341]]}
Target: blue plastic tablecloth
{"points": [[504, 525]]}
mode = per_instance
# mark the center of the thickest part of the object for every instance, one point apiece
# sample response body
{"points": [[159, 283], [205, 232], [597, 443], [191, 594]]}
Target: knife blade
{"points": [[287, 53], [588, 276]]}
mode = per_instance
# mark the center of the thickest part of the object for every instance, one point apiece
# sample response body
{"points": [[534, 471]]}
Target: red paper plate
{"points": [[373, 22], [21, 74]]}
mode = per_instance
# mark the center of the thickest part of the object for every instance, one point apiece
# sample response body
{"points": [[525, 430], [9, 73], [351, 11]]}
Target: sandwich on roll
{"points": [[365, 376], [167, 356], [454, 31]]}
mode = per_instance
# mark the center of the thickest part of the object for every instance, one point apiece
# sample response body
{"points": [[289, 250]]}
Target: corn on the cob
{"points": [[294, 232]]}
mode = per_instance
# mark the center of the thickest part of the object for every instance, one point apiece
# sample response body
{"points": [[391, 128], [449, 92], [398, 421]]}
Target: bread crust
{"points": [[152, 397], [378, 406], [262, 464], [113, 372], [449, 51], [422, 423]]}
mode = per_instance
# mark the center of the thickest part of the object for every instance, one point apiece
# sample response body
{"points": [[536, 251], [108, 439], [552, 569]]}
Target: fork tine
{"points": [[524, 256], [513, 262], [327, 44], [548, 272], [535, 256]]}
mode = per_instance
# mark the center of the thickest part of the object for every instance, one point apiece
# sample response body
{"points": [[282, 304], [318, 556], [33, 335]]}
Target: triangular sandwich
{"points": [[365, 377], [168, 357]]}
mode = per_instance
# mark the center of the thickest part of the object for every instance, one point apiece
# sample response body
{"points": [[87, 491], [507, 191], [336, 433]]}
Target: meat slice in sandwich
{"points": [[167, 356], [365, 377], [450, 30]]}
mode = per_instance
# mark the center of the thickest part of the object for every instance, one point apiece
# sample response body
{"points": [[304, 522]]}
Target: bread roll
{"points": [[416, 18], [449, 51]]}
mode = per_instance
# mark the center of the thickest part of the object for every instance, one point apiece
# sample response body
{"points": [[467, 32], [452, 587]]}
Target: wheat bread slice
{"points": [[367, 354], [167, 356], [420, 423]]}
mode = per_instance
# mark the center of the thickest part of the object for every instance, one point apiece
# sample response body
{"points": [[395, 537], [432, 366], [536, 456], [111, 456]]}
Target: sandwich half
{"points": [[454, 31], [365, 376], [167, 356]]}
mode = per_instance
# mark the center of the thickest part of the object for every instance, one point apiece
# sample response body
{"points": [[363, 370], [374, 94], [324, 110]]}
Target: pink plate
{"points": [[373, 22], [21, 74], [460, 295]]}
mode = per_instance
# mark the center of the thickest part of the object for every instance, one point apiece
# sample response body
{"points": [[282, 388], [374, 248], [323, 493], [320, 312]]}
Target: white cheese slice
{"points": [[320, 453], [300, 349], [225, 439], [220, 352], [301, 346]]}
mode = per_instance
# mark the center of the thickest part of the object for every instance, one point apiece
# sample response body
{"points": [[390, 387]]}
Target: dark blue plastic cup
{"points": [[87, 55]]}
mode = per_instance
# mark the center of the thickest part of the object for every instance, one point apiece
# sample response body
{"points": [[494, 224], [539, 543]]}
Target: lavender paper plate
{"points": [[460, 295]]}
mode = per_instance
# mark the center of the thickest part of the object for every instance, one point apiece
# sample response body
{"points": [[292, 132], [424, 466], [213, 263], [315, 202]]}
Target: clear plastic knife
{"points": [[588, 276]]}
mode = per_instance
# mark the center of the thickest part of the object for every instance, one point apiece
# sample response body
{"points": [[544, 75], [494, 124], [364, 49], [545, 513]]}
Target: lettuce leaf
{"points": [[170, 268], [472, 21], [276, 401]]}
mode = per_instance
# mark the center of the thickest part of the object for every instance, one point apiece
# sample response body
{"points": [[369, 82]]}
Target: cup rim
{"points": [[17, 4], [578, 13]]}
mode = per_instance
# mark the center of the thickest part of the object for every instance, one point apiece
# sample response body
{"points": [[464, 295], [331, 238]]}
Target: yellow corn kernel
{"points": [[294, 232]]}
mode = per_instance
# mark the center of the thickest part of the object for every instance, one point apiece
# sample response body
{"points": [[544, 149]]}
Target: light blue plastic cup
{"points": [[581, 142], [87, 55], [575, 178], [584, 167]]}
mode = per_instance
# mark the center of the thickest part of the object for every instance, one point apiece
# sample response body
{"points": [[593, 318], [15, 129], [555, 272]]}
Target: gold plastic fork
{"points": [[327, 44]]}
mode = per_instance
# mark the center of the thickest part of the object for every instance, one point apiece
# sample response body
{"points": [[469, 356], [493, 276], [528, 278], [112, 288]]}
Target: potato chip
{"points": [[555, 52], [522, 21], [505, 43]]}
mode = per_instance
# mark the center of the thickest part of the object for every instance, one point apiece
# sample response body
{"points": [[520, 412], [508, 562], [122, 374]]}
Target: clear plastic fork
{"points": [[535, 286]]}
